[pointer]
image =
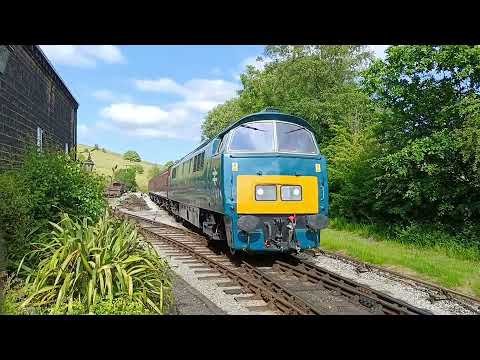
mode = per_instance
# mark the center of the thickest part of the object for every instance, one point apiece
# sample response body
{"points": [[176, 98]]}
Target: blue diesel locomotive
{"points": [[260, 185]]}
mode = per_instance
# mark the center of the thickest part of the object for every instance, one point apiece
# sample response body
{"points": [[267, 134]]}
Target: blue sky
{"points": [[151, 99]]}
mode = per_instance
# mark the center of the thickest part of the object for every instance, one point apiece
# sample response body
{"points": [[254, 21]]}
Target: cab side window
{"points": [[223, 144]]}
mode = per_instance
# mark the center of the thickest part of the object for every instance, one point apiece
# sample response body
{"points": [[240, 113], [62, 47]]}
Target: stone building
{"points": [[36, 107]]}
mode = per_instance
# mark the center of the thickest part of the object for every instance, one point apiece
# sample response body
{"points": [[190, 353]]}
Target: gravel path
{"points": [[189, 301], [413, 294]]}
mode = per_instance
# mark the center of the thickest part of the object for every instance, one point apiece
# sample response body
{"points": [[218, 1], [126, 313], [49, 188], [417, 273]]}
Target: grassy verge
{"points": [[437, 264]]}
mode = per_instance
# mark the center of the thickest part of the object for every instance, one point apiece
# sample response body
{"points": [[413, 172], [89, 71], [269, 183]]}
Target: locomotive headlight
{"points": [[291, 193], [265, 192]]}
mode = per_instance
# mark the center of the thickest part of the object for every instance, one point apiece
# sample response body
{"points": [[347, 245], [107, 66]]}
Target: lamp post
{"points": [[89, 164]]}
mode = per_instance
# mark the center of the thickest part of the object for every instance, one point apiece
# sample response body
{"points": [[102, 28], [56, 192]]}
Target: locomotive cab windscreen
{"points": [[272, 136]]}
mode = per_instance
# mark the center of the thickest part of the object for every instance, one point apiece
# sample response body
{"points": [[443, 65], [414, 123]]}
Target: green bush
{"points": [[139, 169], [47, 184], [127, 177], [15, 294], [132, 156], [94, 263], [59, 184], [15, 212]]}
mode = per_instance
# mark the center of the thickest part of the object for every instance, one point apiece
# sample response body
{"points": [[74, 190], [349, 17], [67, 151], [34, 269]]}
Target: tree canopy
{"points": [[132, 155]]}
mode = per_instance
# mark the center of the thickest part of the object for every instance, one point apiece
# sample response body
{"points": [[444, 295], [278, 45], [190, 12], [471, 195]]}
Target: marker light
{"points": [[291, 193], [265, 193]]}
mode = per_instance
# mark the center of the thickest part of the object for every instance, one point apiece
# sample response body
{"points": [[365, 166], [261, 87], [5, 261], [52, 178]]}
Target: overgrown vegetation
{"points": [[139, 169], [401, 134], [86, 264], [66, 255], [47, 184], [127, 177]]}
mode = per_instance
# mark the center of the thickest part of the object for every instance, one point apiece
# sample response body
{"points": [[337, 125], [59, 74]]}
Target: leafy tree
{"points": [[168, 164], [428, 133], [132, 155], [318, 83], [96, 147], [351, 154], [127, 177], [139, 169], [220, 117]]}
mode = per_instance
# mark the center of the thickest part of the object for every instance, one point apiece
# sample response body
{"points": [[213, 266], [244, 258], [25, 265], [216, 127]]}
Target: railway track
{"points": [[291, 286], [436, 293]]}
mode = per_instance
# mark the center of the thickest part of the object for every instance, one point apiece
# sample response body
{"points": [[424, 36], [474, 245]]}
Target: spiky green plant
{"points": [[88, 263]]}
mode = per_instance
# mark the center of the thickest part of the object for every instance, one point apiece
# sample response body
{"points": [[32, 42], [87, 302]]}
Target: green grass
{"points": [[104, 161], [436, 264]]}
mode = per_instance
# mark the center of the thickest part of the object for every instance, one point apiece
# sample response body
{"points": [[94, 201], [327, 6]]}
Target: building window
{"points": [[39, 138]]}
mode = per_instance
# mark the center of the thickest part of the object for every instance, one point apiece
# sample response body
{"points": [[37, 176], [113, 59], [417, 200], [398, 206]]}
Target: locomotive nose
{"points": [[277, 194]]}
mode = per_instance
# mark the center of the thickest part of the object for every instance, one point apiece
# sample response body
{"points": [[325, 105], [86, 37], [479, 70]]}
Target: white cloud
{"points": [[153, 133], [198, 94], [161, 85], [179, 119], [83, 55], [149, 121], [107, 95], [379, 50], [133, 115]]}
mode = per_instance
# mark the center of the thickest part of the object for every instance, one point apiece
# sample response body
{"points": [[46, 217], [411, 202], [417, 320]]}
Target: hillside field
{"points": [[104, 161]]}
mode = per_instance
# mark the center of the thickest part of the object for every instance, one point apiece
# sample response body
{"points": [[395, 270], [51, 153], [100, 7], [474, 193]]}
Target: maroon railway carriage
{"points": [[158, 186]]}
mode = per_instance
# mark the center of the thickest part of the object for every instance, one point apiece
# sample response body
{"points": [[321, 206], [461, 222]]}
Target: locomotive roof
{"points": [[268, 115], [262, 115]]}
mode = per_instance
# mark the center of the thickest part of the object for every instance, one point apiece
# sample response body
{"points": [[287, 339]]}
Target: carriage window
{"points": [[255, 137], [294, 139], [174, 173]]}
